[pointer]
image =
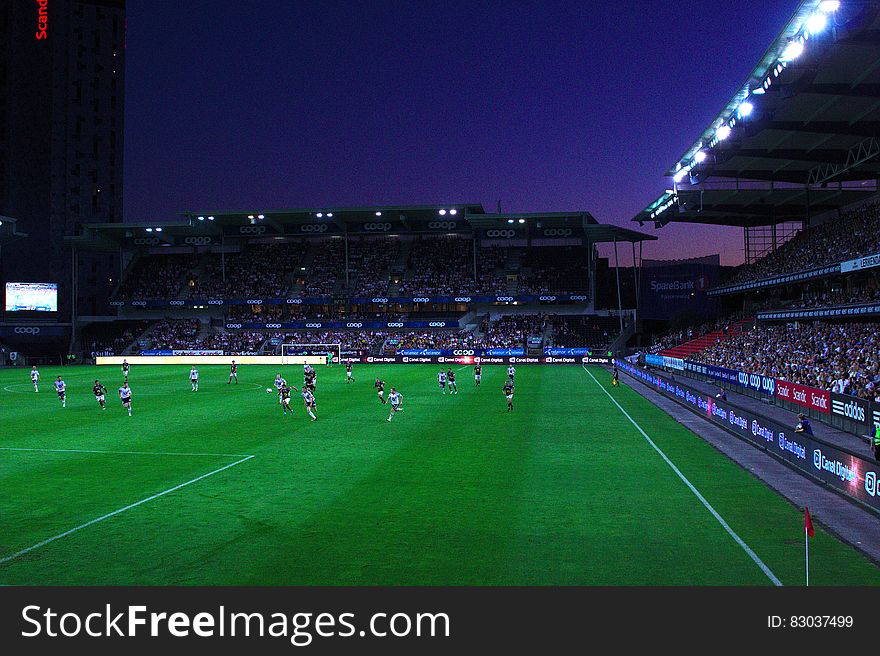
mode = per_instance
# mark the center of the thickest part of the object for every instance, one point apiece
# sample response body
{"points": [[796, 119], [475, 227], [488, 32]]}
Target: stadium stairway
{"points": [[703, 342]]}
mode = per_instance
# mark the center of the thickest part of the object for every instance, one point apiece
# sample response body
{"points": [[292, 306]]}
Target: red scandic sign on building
{"points": [[42, 32], [808, 397]]}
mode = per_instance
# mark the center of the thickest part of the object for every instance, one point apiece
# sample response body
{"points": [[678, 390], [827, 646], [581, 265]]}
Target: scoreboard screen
{"points": [[31, 297]]}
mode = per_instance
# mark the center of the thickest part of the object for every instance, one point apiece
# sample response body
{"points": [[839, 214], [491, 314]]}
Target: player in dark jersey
{"points": [[233, 373], [380, 385], [99, 391], [125, 369], [284, 397], [478, 374], [508, 392], [615, 377], [348, 372], [450, 380], [310, 379]]}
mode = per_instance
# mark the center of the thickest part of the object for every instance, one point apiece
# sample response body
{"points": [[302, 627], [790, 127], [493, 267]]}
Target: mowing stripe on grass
{"points": [[760, 563], [18, 554], [125, 453]]}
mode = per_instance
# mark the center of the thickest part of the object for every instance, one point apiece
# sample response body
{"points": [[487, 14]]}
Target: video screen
{"points": [[31, 297]]}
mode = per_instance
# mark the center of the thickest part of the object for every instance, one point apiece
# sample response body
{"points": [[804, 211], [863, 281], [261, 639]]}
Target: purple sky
{"points": [[547, 106]]}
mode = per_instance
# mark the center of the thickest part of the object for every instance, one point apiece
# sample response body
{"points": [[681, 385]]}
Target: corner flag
{"points": [[808, 533]]}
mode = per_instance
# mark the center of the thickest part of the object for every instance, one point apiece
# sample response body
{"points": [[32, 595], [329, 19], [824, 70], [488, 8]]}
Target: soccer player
{"points": [[194, 378], [380, 385], [511, 372], [61, 389], [615, 377], [441, 380], [450, 377], [478, 373], [125, 397], [284, 398], [311, 405], [396, 400], [35, 378], [279, 384], [99, 390], [310, 379], [125, 369], [508, 392], [233, 373], [348, 378]]}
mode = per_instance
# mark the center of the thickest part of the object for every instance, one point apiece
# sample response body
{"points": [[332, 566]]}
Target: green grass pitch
{"points": [[454, 491]]}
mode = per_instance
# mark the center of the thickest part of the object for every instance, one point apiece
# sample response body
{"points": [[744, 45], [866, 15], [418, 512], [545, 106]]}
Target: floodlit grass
{"points": [[564, 490]]}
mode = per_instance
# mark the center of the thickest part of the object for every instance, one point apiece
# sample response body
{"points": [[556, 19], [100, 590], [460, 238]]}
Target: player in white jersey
{"points": [[61, 389], [311, 405], [396, 400], [511, 372], [279, 384], [441, 381], [194, 379], [125, 397], [35, 378]]}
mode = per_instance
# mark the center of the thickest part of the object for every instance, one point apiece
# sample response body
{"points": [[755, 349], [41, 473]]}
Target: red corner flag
{"points": [[808, 523]]}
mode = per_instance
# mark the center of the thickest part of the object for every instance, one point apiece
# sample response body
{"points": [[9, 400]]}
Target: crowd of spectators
{"points": [[328, 267], [555, 269], [513, 330], [348, 340], [260, 270], [844, 358], [855, 233], [111, 338], [170, 334], [439, 266], [581, 331], [239, 342], [156, 277], [426, 339], [370, 265]]}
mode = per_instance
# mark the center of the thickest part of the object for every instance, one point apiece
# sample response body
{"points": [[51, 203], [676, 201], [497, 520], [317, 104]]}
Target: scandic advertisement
{"points": [[808, 397], [853, 475]]}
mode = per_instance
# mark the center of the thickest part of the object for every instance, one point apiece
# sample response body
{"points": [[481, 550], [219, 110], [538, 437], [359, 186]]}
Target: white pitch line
{"points": [[124, 453], [18, 554], [760, 563]]}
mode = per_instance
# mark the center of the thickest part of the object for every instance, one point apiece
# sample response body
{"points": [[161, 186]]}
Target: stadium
{"points": [[445, 394]]}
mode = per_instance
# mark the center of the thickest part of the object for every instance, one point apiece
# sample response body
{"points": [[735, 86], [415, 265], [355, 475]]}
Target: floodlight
{"points": [[442, 212], [453, 212], [816, 23], [723, 132], [700, 157], [378, 213], [745, 109], [793, 50], [829, 6]]}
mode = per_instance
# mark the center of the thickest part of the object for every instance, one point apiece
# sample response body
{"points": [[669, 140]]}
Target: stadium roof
{"points": [[468, 218], [749, 207], [808, 114]]}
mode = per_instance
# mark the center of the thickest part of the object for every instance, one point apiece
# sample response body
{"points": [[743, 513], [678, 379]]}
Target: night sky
{"points": [[546, 106]]}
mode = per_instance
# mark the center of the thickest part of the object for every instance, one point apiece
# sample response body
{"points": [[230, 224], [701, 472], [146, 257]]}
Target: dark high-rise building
{"points": [[62, 81]]}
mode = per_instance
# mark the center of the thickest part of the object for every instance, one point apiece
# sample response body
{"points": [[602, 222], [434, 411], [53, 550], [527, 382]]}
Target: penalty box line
{"points": [[745, 547], [75, 529]]}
